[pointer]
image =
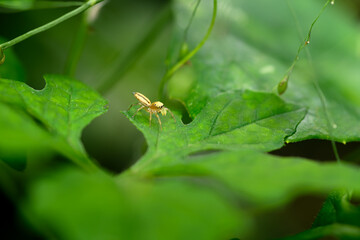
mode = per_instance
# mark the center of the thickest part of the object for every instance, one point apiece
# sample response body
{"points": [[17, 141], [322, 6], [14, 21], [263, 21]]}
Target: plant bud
{"points": [[282, 86]]}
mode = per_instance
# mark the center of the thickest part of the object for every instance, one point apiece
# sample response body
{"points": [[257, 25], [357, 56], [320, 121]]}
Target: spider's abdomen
{"points": [[142, 99]]}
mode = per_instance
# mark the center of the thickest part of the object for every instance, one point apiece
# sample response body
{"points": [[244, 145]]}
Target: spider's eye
{"points": [[158, 105]]}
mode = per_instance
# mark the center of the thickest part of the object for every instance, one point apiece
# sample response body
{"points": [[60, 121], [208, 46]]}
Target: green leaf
{"points": [[64, 106], [250, 49], [328, 213], [232, 120], [258, 179], [19, 134], [94, 206], [337, 218]]}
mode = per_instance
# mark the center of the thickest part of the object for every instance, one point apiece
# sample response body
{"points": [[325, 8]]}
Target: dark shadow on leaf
{"points": [[16, 161], [109, 151], [204, 152], [294, 217], [320, 150], [175, 105], [13, 228]]}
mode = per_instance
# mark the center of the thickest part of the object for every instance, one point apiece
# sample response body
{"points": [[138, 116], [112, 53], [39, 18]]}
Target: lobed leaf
{"points": [[64, 106], [19, 134], [232, 120]]}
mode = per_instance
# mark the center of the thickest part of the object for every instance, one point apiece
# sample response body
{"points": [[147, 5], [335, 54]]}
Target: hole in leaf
{"points": [[178, 106], [186, 119], [37, 83], [114, 148], [321, 150]]}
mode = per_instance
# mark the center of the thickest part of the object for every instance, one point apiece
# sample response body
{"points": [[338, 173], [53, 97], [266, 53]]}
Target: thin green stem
{"points": [[187, 57], [183, 46], [125, 63], [313, 23], [336, 153], [329, 123], [190, 21], [307, 38], [282, 85], [315, 82], [77, 46], [51, 24]]}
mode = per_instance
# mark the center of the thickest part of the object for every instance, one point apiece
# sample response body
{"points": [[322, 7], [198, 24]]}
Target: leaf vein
{"points": [[256, 121], [218, 114]]}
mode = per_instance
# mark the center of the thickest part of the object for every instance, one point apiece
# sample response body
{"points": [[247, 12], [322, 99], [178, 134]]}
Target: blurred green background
{"points": [[111, 139]]}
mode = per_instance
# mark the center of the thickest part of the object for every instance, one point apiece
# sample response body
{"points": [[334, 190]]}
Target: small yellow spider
{"points": [[151, 108]]}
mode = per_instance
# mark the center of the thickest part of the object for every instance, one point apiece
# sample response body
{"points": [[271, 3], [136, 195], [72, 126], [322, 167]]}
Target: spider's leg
{"points": [[159, 120], [132, 106], [138, 110], [171, 113], [150, 118]]}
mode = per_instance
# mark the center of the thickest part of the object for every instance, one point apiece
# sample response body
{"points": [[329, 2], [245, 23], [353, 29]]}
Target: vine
{"points": [[282, 86], [188, 56], [49, 25]]}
